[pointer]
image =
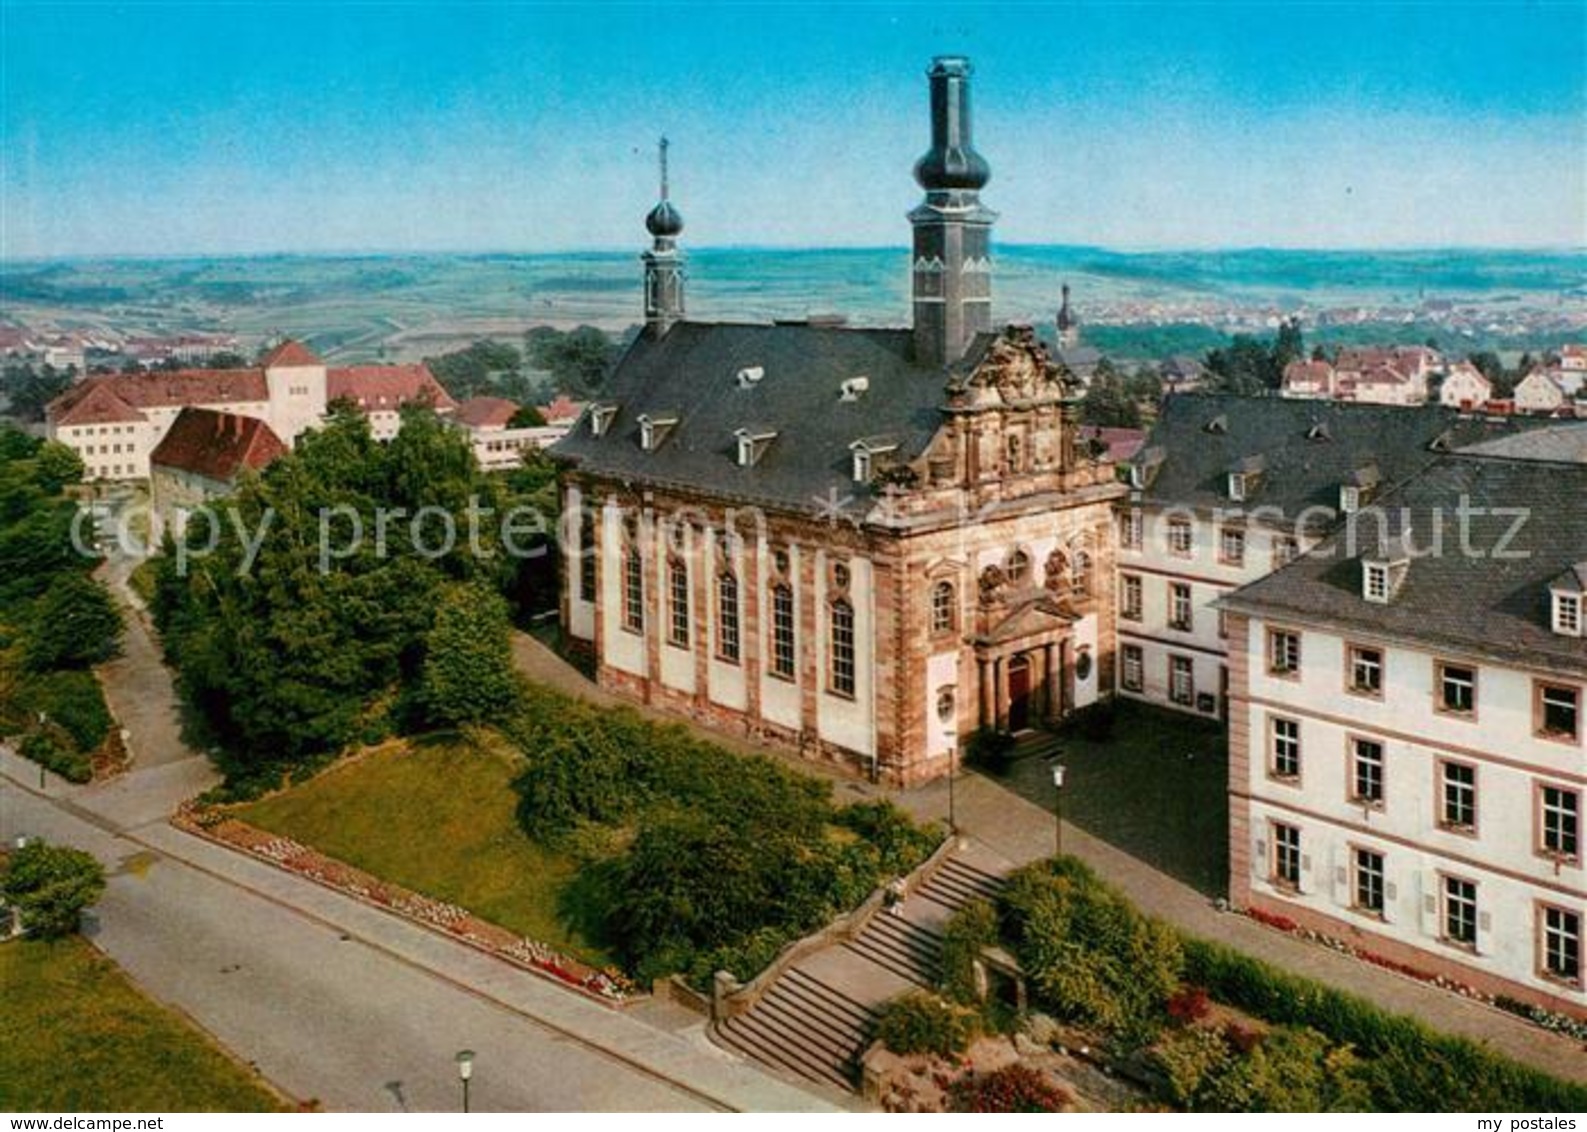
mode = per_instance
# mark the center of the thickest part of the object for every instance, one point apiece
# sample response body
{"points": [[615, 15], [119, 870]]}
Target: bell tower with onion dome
{"points": [[663, 262], [952, 272]]}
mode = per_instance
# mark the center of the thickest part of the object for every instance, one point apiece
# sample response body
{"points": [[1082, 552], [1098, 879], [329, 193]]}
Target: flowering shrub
{"points": [[1189, 1004], [1014, 1088], [924, 1023]]}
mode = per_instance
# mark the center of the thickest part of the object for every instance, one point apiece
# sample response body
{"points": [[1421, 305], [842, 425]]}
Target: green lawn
{"points": [[1156, 788], [76, 1036], [437, 817]]}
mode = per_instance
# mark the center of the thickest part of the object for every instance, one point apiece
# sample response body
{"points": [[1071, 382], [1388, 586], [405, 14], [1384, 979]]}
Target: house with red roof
{"points": [[201, 457], [114, 422], [497, 445]]}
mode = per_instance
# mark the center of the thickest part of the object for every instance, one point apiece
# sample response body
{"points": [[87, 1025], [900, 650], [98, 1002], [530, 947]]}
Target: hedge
{"points": [[1410, 1067], [48, 750], [918, 1022], [74, 701]]}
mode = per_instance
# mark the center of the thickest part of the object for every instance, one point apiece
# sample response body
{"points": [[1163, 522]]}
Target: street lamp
{"points": [[465, 1070], [1058, 808]]}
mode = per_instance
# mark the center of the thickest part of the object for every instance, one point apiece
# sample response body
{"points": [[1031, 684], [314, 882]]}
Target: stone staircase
{"points": [[819, 1015]]}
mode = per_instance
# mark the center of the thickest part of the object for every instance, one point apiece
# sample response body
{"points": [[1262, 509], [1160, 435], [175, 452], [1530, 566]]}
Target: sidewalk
{"points": [[1021, 832]]}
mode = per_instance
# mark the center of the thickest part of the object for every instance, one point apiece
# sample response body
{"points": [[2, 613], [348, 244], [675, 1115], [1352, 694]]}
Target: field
{"points": [[74, 1031], [436, 817]]}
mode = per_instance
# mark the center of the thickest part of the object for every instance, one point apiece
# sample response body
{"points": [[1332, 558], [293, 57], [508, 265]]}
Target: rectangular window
{"points": [[1458, 808], [782, 632], [1179, 537], [1181, 680], [1375, 582], [678, 600], [1231, 546], [1130, 530], [1130, 597], [1366, 772], [1283, 652], [1285, 748], [1457, 689], [1558, 711], [1568, 614], [1369, 881], [727, 617], [1179, 608], [1561, 944], [1560, 822], [1134, 669], [1366, 671], [1286, 855], [633, 592], [1460, 911], [843, 648]]}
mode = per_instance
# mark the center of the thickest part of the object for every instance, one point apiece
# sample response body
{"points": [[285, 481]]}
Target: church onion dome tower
{"points": [[951, 278], [663, 262]]}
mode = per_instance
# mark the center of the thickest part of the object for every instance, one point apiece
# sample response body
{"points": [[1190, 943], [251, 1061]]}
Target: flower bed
{"points": [[215, 825]]}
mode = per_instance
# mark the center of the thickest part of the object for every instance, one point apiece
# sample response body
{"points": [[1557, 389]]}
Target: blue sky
{"points": [[152, 128]]}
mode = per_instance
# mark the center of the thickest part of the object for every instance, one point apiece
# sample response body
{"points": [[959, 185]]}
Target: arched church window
{"points": [[944, 602]]}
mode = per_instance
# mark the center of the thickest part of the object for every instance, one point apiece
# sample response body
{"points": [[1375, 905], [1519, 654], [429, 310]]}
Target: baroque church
{"points": [[864, 543]]}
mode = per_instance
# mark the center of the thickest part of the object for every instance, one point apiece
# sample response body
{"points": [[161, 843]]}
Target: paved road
{"points": [[342, 1003]]}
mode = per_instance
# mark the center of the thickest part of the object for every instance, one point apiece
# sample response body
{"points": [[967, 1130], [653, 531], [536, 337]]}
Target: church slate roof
{"points": [[1493, 605], [1310, 448], [692, 372]]}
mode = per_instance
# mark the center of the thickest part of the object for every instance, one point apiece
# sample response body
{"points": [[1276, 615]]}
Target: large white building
{"points": [[1408, 754], [1229, 489], [114, 421]]}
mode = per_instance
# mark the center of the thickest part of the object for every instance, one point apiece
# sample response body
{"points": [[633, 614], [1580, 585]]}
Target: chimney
{"points": [[952, 269]]}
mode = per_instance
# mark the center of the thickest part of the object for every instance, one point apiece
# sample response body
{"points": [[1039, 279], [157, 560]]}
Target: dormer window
{"points": [[653, 429], [1318, 431], [750, 376], [1358, 488], [1349, 499], [1237, 486], [752, 445], [1218, 425], [870, 454], [601, 418], [1568, 602]]}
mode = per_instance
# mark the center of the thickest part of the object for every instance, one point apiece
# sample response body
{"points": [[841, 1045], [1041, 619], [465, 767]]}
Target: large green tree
{"points": [[75, 624], [468, 673]]}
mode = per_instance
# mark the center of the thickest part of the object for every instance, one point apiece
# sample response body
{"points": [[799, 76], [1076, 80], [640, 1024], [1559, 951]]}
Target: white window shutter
{"points": [[1391, 900], [1308, 879], [1259, 865], [1429, 894], [1341, 870], [1484, 928]]}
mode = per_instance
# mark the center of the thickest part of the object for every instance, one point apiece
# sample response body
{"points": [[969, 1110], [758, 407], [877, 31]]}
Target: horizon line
{"points": [[903, 248]]}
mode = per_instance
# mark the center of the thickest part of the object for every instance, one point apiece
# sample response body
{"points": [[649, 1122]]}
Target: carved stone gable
{"points": [[1018, 369]]}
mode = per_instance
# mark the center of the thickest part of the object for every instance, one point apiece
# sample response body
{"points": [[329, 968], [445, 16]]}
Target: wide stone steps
{"points": [[907, 949], [957, 883], [806, 1027]]}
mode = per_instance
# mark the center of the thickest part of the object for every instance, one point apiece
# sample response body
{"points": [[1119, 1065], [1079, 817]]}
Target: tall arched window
{"points": [[727, 616], [587, 552], [944, 602], [678, 603], [1018, 568], [782, 632], [633, 591], [842, 618]]}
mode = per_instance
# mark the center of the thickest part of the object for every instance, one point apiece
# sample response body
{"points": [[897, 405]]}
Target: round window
{"points": [[779, 561], [945, 704], [1083, 665]]}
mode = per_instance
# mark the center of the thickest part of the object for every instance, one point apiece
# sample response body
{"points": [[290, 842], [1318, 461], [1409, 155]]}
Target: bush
{"points": [[1190, 1058], [1189, 1004], [923, 1023], [72, 700], [76, 624], [1089, 953], [50, 886], [900, 844], [1014, 1088], [990, 750], [1410, 1068], [972, 929], [46, 748]]}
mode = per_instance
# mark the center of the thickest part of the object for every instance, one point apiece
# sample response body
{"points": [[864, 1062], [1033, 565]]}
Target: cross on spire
{"points": [[664, 144]]}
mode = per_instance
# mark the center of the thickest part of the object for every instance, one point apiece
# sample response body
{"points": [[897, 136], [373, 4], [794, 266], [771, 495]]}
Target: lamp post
{"points": [[1058, 808], [465, 1070]]}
